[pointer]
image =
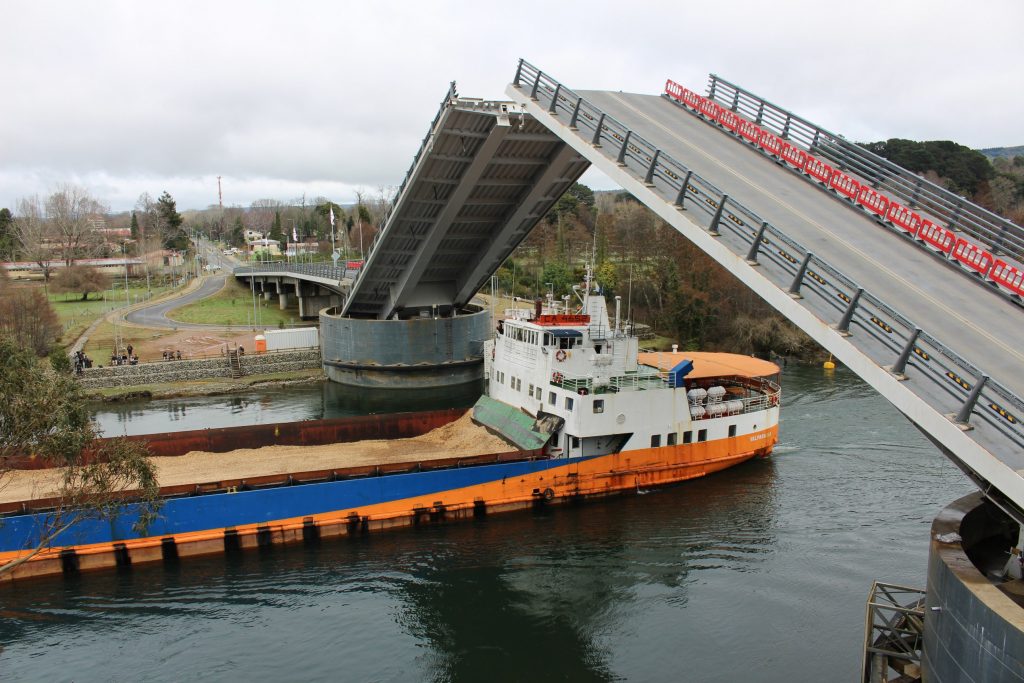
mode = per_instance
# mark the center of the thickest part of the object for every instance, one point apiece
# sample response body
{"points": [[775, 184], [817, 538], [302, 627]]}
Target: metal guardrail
{"points": [[958, 213], [325, 271], [832, 295]]}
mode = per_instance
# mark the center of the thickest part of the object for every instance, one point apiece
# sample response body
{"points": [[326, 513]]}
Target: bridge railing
{"points": [[325, 271], [956, 212], [896, 342]]}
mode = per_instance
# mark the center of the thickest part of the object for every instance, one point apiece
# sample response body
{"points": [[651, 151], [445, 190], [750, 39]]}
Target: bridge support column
{"points": [[282, 299], [266, 294]]}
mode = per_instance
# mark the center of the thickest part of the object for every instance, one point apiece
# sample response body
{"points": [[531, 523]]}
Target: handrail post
{"points": [[575, 114], [625, 146], [554, 99], [756, 246], [900, 366], [536, 84], [519, 72], [794, 289], [843, 327], [713, 227], [964, 416], [681, 197], [650, 169], [596, 142]]}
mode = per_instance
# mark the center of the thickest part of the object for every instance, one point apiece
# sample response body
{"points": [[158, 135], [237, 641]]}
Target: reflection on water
{"points": [[314, 401], [734, 577]]}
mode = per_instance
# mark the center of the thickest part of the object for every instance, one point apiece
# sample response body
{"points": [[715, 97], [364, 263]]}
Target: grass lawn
{"points": [[233, 306], [76, 315]]}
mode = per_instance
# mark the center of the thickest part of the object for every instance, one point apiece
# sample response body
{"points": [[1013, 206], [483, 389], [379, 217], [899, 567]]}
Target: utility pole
{"points": [[220, 196]]}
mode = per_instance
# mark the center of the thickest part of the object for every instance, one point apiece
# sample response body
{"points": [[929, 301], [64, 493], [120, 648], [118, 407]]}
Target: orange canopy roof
{"points": [[707, 364]]}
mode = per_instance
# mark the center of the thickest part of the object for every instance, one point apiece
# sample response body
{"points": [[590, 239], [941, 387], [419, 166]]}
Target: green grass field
{"points": [[233, 306], [76, 315]]}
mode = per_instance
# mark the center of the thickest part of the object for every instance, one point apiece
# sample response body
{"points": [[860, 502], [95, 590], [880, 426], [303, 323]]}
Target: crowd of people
{"points": [[81, 361], [172, 355]]}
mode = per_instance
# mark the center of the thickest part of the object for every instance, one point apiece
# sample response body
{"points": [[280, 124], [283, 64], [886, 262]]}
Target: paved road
{"points": [[965, 314], [156, 315]]}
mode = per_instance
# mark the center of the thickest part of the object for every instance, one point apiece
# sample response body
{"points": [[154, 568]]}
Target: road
{"points": [[965, 314]]}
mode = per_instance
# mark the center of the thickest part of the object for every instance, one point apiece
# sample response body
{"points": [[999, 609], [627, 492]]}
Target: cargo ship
{"points": [[572, 411]]}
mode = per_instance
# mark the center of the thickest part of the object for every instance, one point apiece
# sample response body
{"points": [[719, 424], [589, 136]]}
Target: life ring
{"points": [[549, 495], [560, 356], [556, 378], [583, 391]]}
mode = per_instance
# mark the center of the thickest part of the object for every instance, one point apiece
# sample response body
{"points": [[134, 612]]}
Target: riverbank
{"points": [[216, 386]]}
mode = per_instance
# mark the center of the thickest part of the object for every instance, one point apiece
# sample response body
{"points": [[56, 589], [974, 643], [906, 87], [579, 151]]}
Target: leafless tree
{"points": [[72, 212], [32, 232]]}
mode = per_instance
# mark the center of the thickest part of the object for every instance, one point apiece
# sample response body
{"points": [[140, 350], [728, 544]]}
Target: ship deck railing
{"points": [[757, 393]]}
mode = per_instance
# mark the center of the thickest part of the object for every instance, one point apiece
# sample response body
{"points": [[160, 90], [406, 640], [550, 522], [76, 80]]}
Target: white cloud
{"points": [[322, 97]]}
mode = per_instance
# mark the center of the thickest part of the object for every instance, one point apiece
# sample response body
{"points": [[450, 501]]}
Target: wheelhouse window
{"points": [[598, 405]]}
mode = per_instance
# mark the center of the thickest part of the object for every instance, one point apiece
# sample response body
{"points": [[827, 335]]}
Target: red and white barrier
{"points": [[937, 236], [844, 185], [749, 131], [875, 202], [1007, 276], [819, 170], [972, 256], [794, 156], [673, 89], [730, 120], [710, 109], [945, 241], [904, 218], [770, 143]]}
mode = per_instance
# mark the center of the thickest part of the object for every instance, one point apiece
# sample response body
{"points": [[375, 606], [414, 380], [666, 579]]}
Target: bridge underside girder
{"points": [[486, 175]]}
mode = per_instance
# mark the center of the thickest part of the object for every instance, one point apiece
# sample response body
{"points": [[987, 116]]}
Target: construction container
{"points": [[299, 338]]}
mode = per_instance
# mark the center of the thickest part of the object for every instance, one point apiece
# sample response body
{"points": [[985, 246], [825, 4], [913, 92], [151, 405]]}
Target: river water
{"points": [[759, 573]]}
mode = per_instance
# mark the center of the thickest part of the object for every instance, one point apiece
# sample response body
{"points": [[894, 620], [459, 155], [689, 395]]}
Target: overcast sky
{"points": [[324, 98]]}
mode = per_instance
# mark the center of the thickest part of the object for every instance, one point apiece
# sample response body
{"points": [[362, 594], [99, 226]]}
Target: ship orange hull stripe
{"points": [[595, 477]]}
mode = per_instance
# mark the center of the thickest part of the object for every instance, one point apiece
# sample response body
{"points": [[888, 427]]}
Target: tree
{"points": [[7, 239], [84, 279], [276, 233], [134, 227], [27, 318], [71, 212], [43, 413], [31, 231], [167, 210]]}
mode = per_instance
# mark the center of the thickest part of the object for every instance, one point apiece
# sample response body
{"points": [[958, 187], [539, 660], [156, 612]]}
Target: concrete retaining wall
{"points": [[207, 368]]}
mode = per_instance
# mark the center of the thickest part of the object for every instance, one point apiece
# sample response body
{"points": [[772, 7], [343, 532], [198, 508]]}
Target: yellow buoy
{"points": [[829, 365]]}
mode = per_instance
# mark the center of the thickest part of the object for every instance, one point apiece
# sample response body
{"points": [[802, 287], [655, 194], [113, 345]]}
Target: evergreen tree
{"points": [[135, 226], [174, 237], [276, 233], [6, 234]]}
